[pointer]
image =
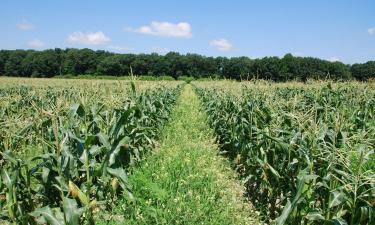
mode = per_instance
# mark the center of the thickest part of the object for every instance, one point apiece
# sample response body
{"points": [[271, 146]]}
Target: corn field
{"points": [[67, 146], [304, 151]]}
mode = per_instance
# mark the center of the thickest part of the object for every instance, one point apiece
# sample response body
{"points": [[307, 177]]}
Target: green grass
{"points": [[185, 181]]}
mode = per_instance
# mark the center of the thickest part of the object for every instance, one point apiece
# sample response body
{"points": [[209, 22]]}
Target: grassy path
{"points": [[185, 181]]}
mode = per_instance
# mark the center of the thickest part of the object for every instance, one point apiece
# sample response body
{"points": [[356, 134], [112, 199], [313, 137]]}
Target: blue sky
{"points": [[330, 29]]}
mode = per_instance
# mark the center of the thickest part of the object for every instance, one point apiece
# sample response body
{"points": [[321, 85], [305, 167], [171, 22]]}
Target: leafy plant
{"points": [[307, 152], [82, 154]]}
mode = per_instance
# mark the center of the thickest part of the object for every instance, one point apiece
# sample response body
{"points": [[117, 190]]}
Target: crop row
{"points": [[305, 153], [63, 161]]}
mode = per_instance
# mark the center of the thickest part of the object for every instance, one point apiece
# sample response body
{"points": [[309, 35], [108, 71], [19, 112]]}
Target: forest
{"points": [[70, 61]]}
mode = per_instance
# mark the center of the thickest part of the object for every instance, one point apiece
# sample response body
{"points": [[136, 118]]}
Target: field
{"points": [[306, 150], [168, 152], [78, 137]]}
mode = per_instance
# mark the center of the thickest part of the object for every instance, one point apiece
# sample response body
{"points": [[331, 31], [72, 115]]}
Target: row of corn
{"points": [[62, 162], [305, 153]]}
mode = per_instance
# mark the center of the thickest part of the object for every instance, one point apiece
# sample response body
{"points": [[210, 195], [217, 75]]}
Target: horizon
{"points": [[343, 30]]}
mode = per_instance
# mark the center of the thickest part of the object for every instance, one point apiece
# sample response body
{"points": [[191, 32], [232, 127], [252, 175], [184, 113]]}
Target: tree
{"points": [[111, 65], [173, 60], [56, 61], [364, 71], [82, 61], [12, 66], [4, 54]]}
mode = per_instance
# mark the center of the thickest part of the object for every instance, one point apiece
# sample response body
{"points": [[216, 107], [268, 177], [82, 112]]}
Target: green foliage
{"points": [[52, 62], [185, 181], [364, 71], [305, 153], [82, 152], [186, 79]]}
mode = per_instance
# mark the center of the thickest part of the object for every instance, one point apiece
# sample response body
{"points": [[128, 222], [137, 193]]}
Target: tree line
{"points": [[52, 62]]}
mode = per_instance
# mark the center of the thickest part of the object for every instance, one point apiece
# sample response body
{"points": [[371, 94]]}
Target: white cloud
{"points": [[165, 29], [221, 44], [371, 30], [160, 50], [36, 43], [334, 59], [25, 25], [89, 38]]}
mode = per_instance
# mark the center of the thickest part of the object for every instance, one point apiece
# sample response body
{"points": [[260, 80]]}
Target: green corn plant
{"points": [[297, 148], [82, 155], [16, 189]]}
